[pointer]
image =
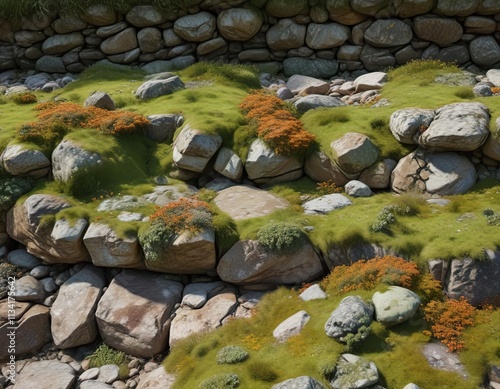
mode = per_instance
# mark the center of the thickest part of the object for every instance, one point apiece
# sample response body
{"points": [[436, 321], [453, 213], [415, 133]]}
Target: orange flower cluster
{"points": [[367, 275], [275, 124], [448, 320], [327, 187], [109, 122], [24, 98], [252, 342], [184, 214]]}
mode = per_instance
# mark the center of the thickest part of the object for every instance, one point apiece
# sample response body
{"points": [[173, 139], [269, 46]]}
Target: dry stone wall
{"points": [[277, 35]]}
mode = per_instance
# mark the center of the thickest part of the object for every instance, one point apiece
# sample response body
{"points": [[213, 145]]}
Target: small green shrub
{"points": [[464, 93], [328, 369], [154, 240], [24, 98], [384, 220], [204, 347], [231, 354], [352, 341], [340, 117], [262, 371], [242, 75], [379, 124], [7, 270], [492, 217], [387, 216], [45, 134], [80, 184], [13, 188], [221, 381], [105, 355], [281, 237]]}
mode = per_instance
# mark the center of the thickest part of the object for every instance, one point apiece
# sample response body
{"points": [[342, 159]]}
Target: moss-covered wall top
{"points": [[316, 37]]}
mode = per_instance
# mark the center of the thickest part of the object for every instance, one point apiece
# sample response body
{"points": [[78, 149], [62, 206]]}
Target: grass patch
{"points": [[313, 353]]}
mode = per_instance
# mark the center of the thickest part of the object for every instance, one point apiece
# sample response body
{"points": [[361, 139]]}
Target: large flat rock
{"points": [[245, 202]]}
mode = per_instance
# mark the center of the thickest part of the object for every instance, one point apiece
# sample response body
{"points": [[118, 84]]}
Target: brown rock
{"points": [[321, 168], [108, 249], [354, 152], [189, 321], [245, 202], [32, 332], [438, 30], [100, 15], [189, 253], [134, 314], [248, 262], [122, 42], [73, 311]]}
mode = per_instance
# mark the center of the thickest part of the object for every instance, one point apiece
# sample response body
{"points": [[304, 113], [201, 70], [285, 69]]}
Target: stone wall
{"points": [[278, 35]]}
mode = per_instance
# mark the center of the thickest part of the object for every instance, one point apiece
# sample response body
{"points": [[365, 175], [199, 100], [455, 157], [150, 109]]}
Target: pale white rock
{"points": [[158, 378], [304, 85], [291, 326], [325, 204], [303, 382], [443, 173], [46, 374], [193, 149], [408, 124], [494, 76], [457, 127], [156, 88], [395, 305], [195, 295], [245, 202], [70, 159], [89, 374], [357, 188], [354, 372], [351, 314], [108, 249], [314, 292], [228, 164], [263, 165], [189, 321], [354, 152], [18, 160]]}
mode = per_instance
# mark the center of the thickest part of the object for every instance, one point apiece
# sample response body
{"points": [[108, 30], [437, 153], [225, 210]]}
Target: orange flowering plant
{"points": [[276, 124]]}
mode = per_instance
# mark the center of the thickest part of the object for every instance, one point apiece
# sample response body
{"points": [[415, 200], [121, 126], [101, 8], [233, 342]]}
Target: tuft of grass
{"points": [[105, 355], [262, 371], [243, 76], [464, 93]]}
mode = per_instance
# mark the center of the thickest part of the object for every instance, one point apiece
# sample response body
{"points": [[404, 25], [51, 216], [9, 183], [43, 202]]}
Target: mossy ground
{"points": [[396, 351], [456, 230]]}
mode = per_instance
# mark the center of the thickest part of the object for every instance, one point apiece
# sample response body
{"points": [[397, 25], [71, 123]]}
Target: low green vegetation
{"points": [[406, 224], [105, 355], [315, 354]]}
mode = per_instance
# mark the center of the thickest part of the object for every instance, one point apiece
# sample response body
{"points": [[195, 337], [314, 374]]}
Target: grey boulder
{"points": [[351, 314]]}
